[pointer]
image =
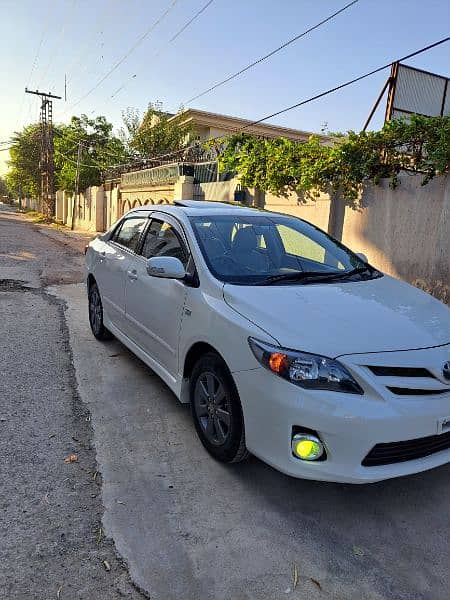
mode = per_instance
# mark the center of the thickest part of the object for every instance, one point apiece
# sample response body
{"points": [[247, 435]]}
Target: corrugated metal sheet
{"points": [[418, 92]]}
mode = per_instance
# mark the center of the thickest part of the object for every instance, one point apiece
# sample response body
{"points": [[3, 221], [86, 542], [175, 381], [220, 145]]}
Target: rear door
{"points": [[115, 258], [154, 305]]}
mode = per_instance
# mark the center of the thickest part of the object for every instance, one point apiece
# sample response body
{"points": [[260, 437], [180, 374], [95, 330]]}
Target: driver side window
{"points": [[162, 240]]}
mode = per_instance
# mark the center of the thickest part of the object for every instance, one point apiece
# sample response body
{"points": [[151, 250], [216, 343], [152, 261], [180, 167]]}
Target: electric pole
{"points": [[46, 162]]}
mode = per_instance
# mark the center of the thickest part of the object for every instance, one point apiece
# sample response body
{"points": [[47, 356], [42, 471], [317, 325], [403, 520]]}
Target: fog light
{"points": [[306, 447]]}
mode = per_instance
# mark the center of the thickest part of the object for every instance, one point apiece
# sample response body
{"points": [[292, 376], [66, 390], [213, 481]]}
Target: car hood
{"points": [[332, 319]]}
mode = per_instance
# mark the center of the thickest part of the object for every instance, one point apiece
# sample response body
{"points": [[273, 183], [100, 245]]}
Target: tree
{"points": [[100, 150], [24, 176], [156, 134], [418, 145]]}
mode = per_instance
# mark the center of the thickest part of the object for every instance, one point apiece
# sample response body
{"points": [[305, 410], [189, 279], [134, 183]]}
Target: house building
{"points": [[209, 125]]}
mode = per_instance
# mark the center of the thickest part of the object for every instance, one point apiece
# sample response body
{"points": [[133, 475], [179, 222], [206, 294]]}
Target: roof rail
{"points": [[205, 204]]}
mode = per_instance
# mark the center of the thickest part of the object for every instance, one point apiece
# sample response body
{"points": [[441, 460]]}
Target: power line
{"points": [[128, 53], [76, 162], [60, 36], [317, 96], [266, 56], [35, 61], [172, 39], [100, 18], [347, 83]]}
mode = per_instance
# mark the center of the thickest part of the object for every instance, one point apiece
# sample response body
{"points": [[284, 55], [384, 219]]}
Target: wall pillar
{"points": [[59, 205], [100, 199], [184, 188]]}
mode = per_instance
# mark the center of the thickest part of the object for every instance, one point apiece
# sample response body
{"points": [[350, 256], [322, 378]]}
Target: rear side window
{"points": [[162, 240], [129, 232]]}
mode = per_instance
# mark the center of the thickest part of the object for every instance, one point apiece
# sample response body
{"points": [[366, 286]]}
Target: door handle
{"points": [[132, 274]]}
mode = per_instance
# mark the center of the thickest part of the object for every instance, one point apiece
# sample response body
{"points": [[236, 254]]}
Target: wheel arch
{"points": [[195, 352]]}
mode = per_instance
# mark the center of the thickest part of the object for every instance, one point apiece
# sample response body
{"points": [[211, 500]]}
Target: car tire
{"points": [[96, 314], [216, 410]]}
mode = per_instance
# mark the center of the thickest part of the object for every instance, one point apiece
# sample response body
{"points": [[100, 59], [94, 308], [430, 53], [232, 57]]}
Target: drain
{"points": [[12, 285]]}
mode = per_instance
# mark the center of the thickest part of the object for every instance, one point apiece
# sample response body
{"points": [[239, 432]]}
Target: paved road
{"points": [[51, 535], [191, 528]]}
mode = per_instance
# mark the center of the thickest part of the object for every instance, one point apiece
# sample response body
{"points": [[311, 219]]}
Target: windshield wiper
{"points": [[295, 276], [314, 276]]}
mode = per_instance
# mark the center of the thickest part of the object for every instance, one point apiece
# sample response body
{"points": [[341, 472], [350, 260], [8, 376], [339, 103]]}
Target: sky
{"points": [[41, 42]]}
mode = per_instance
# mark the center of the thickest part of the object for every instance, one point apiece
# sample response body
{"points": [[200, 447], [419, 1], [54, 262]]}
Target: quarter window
{"points": [[162, 240], [129, 232]]}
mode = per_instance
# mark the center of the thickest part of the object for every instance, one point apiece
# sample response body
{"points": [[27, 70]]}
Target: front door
{"points": [[154, 305], [111, 272]]}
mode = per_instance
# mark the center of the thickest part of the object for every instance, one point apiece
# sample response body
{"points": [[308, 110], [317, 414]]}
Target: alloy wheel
{"points": [[212, 407], [95, 310]]}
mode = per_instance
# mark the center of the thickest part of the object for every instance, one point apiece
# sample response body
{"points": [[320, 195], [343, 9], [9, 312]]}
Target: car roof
{"points": [[196, 207]]}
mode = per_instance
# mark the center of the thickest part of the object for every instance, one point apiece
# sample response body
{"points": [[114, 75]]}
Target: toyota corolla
{"points": [[287, 344]]}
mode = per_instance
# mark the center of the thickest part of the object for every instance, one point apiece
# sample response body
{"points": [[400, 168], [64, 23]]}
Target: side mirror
{"points": [[166, 266], [362, 256]]}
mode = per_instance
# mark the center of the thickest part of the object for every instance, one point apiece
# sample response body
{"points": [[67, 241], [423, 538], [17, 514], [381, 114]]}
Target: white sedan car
{"points": [[286, 344]]}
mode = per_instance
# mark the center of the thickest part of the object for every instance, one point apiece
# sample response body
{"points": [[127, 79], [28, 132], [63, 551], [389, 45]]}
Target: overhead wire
{"points": [[127, 54], [60, 35], [347, 83], [170, 41], [100, 18], [34, 64], [272, 52], [329, 91]]}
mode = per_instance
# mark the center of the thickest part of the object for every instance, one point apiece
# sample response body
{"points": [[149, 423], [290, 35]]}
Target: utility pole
{"points": [[77, 183], [46, 163]]}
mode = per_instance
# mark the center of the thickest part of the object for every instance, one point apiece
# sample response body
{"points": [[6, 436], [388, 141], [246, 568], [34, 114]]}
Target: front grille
{"points": [[416, 391], [395, 452], [408, 381], [400, 371]]}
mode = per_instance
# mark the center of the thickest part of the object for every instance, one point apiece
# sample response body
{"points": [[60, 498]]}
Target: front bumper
{"points": [[349, 425]]}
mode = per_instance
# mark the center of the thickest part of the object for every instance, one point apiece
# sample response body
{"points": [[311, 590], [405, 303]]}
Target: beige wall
{"points": [[316, 211], [132, 197], [220, 191], [405, 232]]}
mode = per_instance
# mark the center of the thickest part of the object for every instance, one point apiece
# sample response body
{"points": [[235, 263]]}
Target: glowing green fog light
{"points": [[306, 447]]}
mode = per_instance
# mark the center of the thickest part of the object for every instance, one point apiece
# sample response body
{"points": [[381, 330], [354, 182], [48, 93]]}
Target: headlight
{"points": [[310, 371]]}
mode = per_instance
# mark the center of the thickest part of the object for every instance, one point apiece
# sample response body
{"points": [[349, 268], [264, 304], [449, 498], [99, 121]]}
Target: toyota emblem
{"points": [[446, 370]]}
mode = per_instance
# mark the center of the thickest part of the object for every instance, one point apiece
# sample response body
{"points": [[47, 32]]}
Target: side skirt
{"points": [[173, 383]]}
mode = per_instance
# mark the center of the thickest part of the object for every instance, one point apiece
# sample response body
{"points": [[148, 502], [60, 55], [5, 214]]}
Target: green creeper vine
{"points": [[419, 145]]}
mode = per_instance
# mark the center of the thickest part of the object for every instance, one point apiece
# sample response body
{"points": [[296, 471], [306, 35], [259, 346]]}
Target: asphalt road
{"points": [[187, 526]]}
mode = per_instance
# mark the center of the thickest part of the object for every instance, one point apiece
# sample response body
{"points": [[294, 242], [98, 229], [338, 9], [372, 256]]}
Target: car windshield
{"points": [[269, 248]]}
